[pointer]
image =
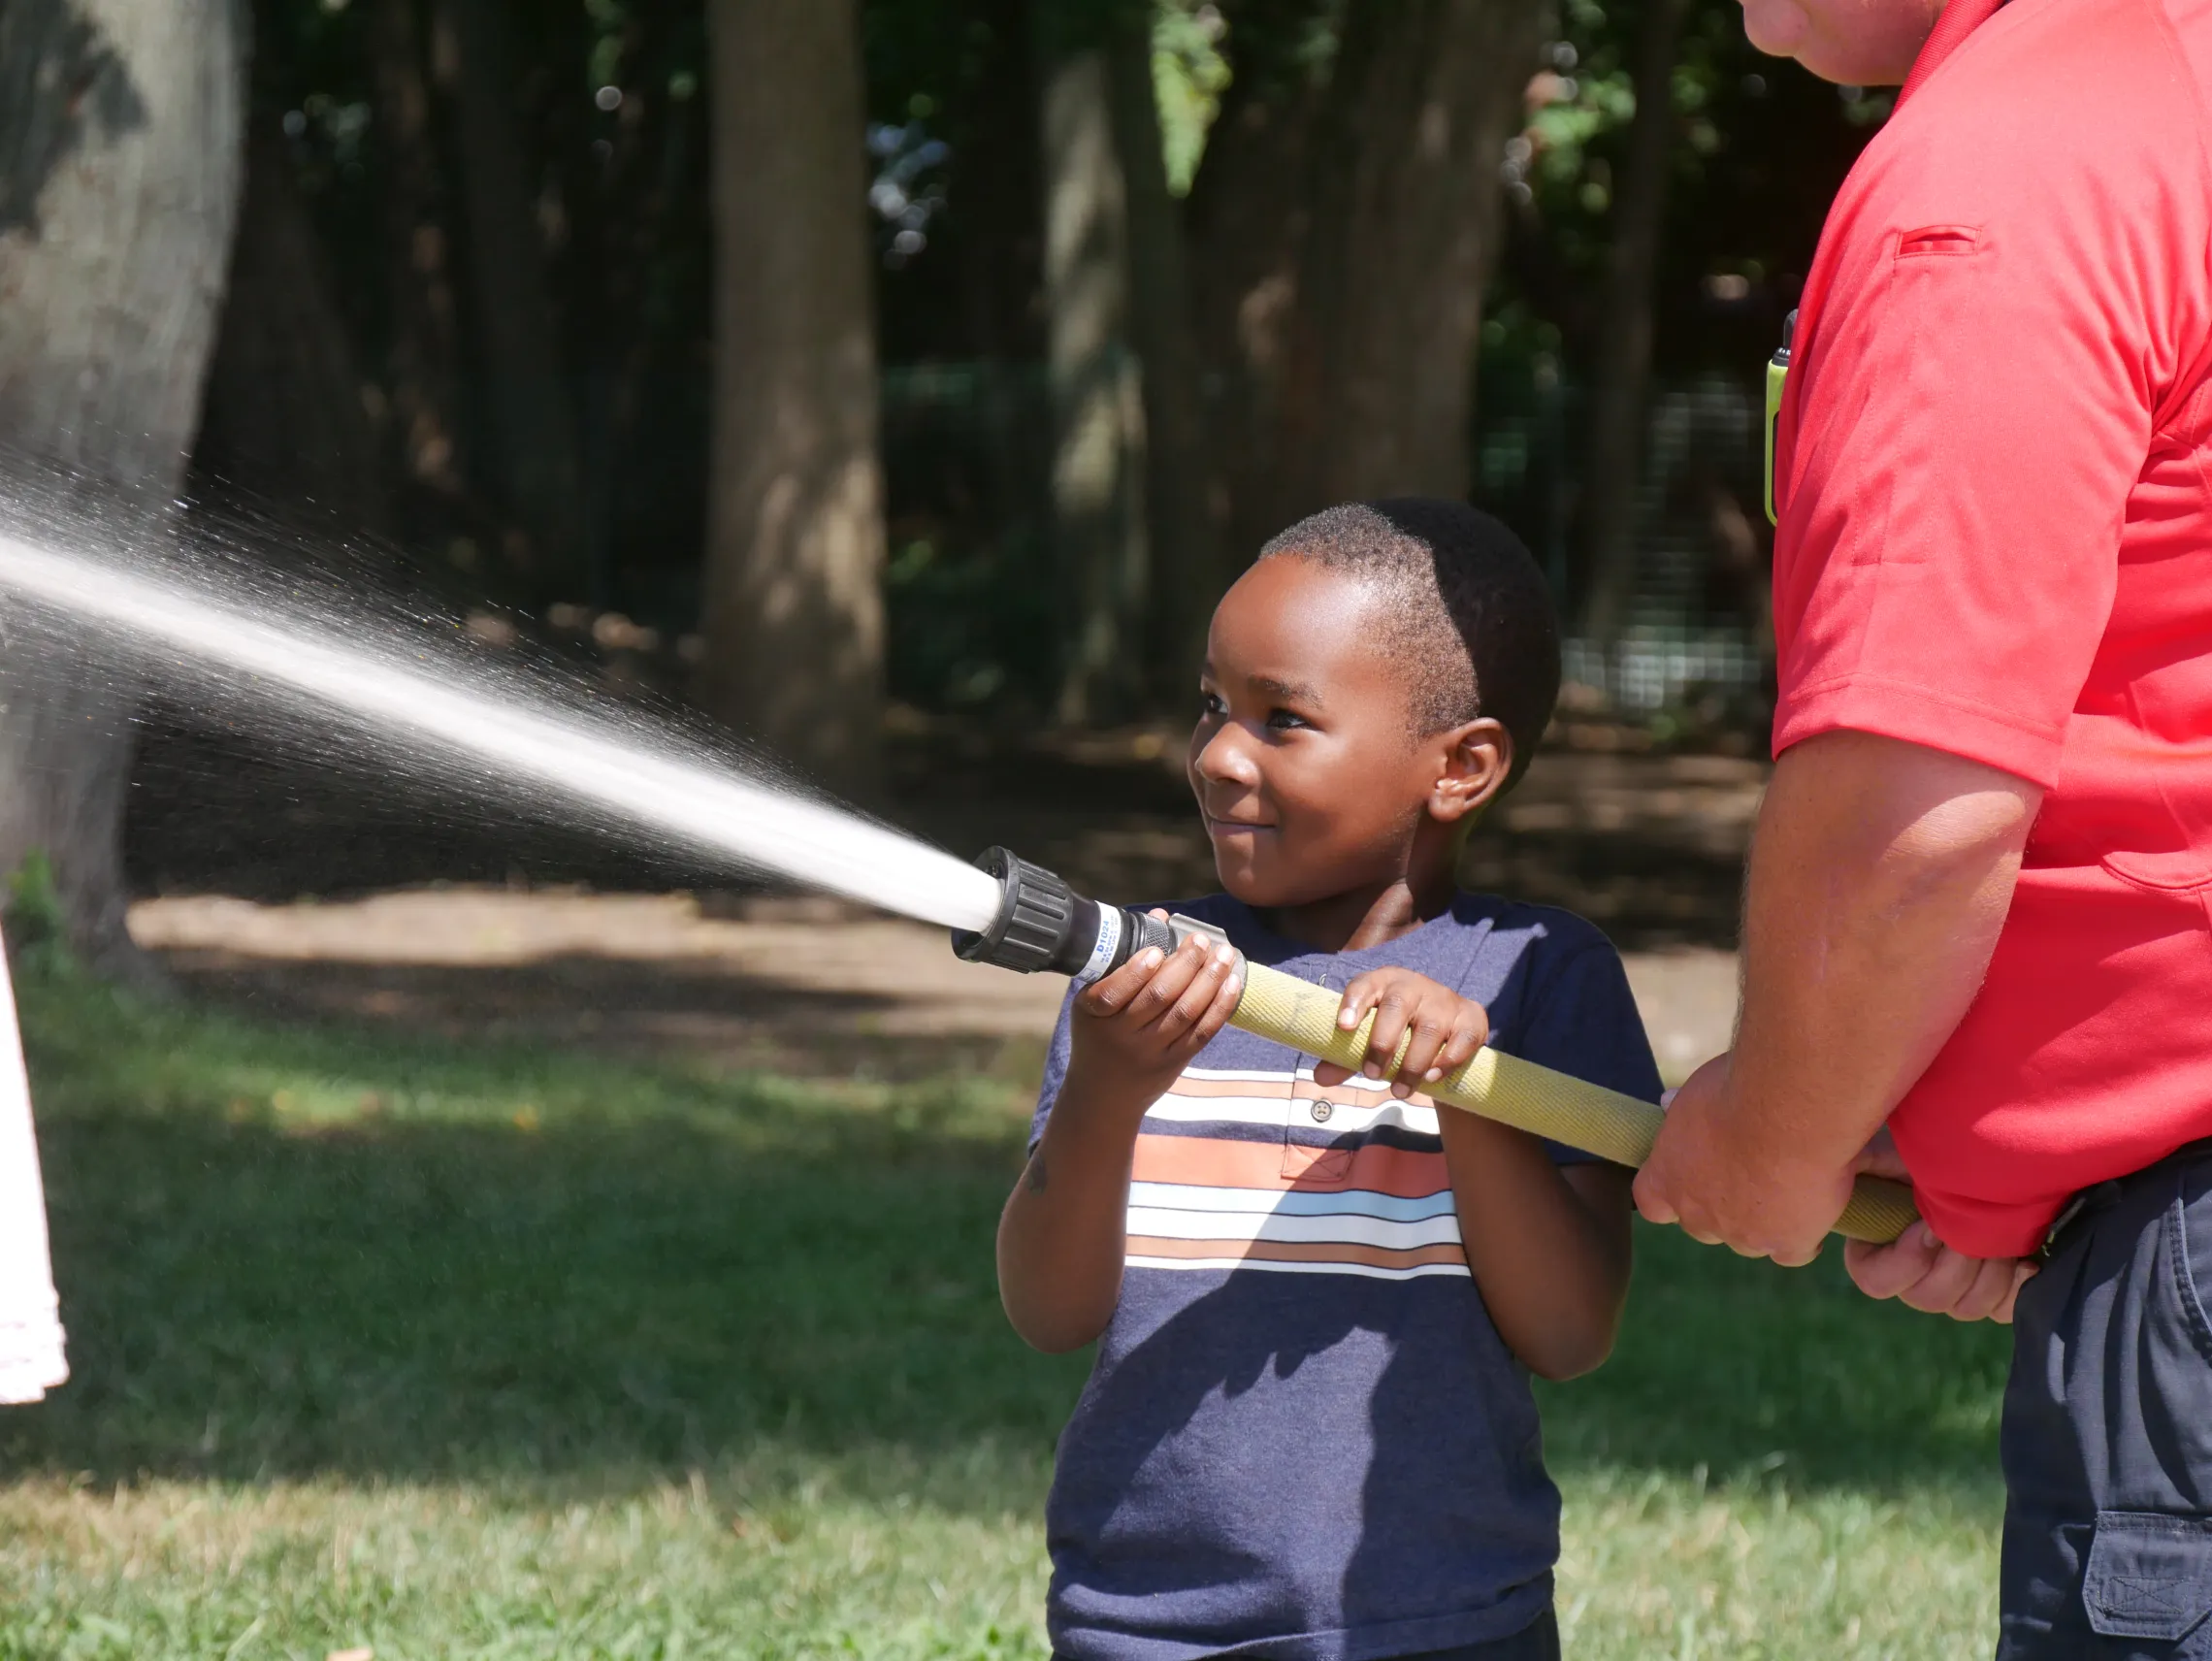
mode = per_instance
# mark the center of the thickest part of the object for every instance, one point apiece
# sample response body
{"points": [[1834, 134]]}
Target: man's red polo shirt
{"points": [[1995, 476]]}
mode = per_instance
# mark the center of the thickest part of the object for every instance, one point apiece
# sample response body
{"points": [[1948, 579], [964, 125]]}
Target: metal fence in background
{"points": [[1696, 616], [972, 582]]}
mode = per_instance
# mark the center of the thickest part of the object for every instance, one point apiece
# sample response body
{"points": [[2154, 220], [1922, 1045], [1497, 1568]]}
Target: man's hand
{"points": [[1710, 1173], [1446, 1028], [1923, 1273], [1880, 876]]}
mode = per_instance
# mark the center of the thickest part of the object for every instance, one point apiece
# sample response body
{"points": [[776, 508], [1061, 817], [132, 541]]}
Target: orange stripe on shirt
{"points": [[1298, 1252], [1221, 1162]]}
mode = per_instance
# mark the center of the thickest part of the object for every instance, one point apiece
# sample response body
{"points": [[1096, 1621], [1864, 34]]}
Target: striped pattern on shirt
{"points": [[1264, 1169]]}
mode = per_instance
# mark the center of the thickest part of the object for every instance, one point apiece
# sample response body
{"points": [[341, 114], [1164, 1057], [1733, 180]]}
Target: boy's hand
{"points": [[1141, 1025], [1446, 1029]]}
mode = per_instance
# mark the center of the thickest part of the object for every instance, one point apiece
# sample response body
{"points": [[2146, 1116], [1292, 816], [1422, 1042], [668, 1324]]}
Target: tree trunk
{"points": [[1001, 249], [1619, 389], [1350, 324], [1187, 577], [793, 619], [1100, 533], [532, 416], [119, 175], [284, 426], [421, 353], [1249, 219]]}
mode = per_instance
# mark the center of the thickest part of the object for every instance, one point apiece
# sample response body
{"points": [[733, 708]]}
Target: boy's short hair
{"points": [[1471, 616]]}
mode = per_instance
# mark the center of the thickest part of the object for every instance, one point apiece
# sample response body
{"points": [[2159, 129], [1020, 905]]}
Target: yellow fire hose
{"points": [[1042, 923], [1613, 1126]]}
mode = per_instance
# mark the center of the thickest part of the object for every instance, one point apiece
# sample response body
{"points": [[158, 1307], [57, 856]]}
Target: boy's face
{"points": [[1304, 760]]}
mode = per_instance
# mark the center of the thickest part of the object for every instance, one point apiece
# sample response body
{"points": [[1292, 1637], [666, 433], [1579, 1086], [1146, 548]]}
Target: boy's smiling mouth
{"points": [[1218, 826]]}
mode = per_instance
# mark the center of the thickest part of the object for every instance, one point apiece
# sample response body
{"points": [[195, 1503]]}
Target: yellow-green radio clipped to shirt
{"points": [[1777, 378]]}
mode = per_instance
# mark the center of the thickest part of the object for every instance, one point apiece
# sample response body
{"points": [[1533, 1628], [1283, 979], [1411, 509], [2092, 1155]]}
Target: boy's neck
{"points": [[1371, 915]]}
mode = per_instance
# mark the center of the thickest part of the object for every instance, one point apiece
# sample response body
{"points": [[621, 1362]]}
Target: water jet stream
{"points": [[715, 811]]}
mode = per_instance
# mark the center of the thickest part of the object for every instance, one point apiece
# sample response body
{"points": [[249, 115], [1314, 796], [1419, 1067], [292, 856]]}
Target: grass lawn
{"points": [[482, 1352]]}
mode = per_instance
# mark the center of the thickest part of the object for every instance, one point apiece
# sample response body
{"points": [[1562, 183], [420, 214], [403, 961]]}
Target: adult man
{"points": [[1980, 903]]}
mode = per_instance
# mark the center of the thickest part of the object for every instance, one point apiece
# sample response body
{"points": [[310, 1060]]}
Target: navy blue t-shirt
{"points": [[1302, 1437]]}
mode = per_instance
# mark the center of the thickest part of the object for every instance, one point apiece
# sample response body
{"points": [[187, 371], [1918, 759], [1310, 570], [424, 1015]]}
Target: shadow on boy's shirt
{"points": [[1330, 1450]]}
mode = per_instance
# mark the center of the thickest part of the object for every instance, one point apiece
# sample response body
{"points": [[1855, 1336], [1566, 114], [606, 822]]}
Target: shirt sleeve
{"points": [[1980, 394], [1056, 1071], [1580, 1019]]}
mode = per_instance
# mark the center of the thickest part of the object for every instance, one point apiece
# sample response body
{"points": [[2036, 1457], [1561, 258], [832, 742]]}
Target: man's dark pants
{"points": [[2109, 1428]]}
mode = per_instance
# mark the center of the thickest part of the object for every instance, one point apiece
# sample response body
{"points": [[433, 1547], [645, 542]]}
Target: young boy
{"points": [[1309, 1432]]}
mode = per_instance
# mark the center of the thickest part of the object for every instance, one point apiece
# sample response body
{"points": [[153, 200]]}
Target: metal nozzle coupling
{"points": [[1043, 924]]}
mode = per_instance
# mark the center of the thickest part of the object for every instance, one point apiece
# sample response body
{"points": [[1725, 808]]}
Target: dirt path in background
{"points": [[305, 886], [796, 986]]}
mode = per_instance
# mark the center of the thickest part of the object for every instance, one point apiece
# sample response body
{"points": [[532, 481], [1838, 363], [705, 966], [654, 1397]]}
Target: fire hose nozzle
{"points": [[1043, 924]]}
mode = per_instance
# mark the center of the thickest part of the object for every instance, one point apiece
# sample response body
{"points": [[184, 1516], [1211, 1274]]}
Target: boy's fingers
{"points": [[1428, 1041], [1205, 987], [1215, 1015], [1111, 994], [1467, 1037], [1358, 998], [1391, 1020], [1196, 972], [1159, 990], [1184, 1026]]}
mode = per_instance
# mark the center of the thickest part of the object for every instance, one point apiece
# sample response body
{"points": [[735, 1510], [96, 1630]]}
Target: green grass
{"points": [[518, 1353]]}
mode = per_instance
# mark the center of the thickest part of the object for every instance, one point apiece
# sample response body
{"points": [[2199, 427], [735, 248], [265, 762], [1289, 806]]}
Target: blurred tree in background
{"points": [[793, 608], [119, 169], [958, 351]]}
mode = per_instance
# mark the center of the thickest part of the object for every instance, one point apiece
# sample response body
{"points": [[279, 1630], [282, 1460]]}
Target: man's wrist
{"points": [[1783, 1139]]}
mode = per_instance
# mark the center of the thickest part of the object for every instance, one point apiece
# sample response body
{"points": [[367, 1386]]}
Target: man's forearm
{"points": [[1881, 878]]}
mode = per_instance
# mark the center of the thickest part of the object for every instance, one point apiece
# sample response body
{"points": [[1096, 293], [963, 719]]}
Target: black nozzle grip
{"points": [[1141, 928], [1042, 923]]}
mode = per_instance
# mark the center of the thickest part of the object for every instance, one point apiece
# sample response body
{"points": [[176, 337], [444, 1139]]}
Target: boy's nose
{"points": [[1225, 758]]}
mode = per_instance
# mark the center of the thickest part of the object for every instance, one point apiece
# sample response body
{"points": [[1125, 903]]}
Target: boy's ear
{"points": [[1476, 758]]}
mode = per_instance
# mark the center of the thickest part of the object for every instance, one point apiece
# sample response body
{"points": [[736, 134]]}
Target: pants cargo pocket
{"points": [[2150, 1575]]}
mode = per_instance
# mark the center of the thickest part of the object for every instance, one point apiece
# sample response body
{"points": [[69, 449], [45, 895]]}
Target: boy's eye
{"points": [[1211, 703], [1286, 720]]}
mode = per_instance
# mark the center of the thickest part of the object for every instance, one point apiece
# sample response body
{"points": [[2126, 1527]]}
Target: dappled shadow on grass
{"points": [[291, 1251], [284, 1251], [625, 1006], [1734, 1371], [429, 1301]]}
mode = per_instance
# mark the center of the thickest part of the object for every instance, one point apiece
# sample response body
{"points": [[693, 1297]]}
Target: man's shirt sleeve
{"points": [[1992, 344]]}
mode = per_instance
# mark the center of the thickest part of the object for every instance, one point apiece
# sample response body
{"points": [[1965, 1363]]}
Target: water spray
{"points": [[1043, 924], [416, 701]]}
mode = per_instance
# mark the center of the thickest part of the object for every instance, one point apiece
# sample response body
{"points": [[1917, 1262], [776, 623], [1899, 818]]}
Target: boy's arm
{"points": [[1548, 1247], [1064, 1232], [1547, 1244]]}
